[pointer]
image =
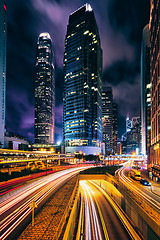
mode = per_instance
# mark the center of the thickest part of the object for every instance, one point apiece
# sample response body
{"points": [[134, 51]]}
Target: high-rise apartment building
{"points": [[82, 102], [3, 33], [107, 119], [115, 115], [145, 92], [44, 91], [155, 82]]}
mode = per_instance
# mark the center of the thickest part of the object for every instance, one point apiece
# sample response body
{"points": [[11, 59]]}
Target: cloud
{"points": [[20, 115], [127, 95], [54, 17], [58, 14], [120, 25]]}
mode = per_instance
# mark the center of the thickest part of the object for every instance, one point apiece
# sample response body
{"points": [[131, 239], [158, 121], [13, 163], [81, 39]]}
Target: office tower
{"points": [[133, 137], [107, 119], [155, 82], [135, 121], [146, 92], [128, 124], [114, 141], [3, 34], [44, 91], [82, 110]]}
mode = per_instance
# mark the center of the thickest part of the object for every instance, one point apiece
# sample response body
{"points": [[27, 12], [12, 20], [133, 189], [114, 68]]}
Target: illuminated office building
{"points": [[82, 113], [3, 33], [155, 82], [44, 91], [107, 119], [145, 92], [133, 137], [114, 122]]}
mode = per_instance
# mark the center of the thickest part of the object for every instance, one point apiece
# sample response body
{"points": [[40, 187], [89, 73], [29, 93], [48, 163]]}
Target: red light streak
{"points": [[5, 8]]}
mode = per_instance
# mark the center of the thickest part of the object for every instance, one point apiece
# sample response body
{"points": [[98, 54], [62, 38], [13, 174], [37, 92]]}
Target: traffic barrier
{"points": [[143, 216]]}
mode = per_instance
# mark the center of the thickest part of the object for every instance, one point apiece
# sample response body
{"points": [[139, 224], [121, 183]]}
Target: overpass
{"points": [[8, 156], [123, 158]]}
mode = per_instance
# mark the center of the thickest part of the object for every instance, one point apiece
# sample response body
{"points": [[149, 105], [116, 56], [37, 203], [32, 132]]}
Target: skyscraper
{"points": [[3, 33], [115, 115], [146, 91], [155, 82], [107, 119], [44, 91], [82, 112], [133, 138]]}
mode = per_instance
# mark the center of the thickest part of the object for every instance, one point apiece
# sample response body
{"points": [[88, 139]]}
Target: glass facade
{"points": [[3, 34], [115, 120], [155, 81], [82, 112], [107, 119], [44, 91], [146, 92], [133, 137]]}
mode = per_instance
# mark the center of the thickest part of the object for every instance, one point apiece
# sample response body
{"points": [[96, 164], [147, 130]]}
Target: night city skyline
{"points": [[120, 27], [80, 120]]}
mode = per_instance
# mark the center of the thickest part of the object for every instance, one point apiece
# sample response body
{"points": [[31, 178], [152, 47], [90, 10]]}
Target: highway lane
{"points": [[10, 185], [14, 210], [143, 191], [100, 220]]}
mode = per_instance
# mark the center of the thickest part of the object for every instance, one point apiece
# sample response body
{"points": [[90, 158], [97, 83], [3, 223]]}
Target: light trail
{"points": [[92, 226], [130, 230], [100, 219], [14, 210], [131, 185]]}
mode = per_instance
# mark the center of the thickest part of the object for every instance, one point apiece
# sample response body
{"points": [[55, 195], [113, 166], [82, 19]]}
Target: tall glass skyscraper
{"points": [[146, 92], [155, 82], [82, 115], [115, 132], [44, 91], [107, 120], [3, 34]]}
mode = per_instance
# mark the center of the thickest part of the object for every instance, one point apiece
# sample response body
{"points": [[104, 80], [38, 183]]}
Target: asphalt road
{"points": [[15, 209], [100, 221], [143, 191]]}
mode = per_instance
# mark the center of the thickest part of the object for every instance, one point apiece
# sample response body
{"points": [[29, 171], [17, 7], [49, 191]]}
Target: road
{"points": [[144, 192], [15, 208], [99, 220]]}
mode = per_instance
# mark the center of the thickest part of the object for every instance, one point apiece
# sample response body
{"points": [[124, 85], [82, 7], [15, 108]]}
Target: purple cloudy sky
{"points": [[120, 24]]}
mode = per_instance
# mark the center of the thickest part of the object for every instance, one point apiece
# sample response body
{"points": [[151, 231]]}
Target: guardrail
{"points": [[121, 216], [140, 208], [147, 206]]}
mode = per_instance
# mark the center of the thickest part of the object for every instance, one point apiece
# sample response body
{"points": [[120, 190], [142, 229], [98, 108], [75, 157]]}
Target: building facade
{"points": [[107, 119], [115, 120], [146, 92], [155, 82], [15, 142], [44, 91], [82, 102], [134, 137], [3, 35]]}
